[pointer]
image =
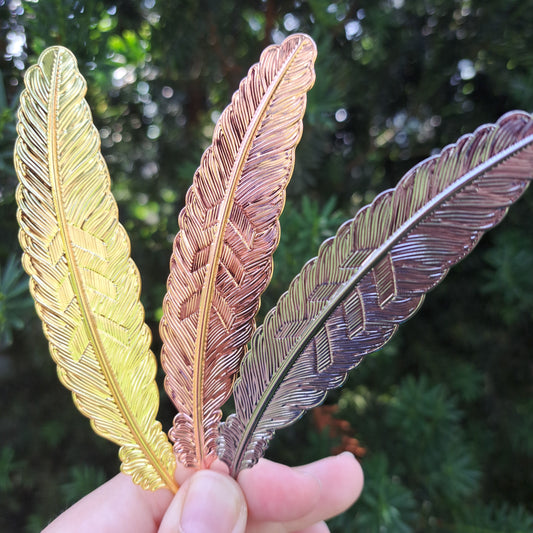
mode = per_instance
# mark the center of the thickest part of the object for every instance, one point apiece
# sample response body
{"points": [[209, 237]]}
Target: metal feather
{"points": [[85, 285], [222, 255], [372, 276]]}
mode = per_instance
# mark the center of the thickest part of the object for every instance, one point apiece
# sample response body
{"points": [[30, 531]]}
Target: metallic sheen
{"points": [[222, 256], [372, 276], [85, 285]]}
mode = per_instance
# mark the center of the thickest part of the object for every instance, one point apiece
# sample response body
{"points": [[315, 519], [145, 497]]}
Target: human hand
{"points": [[269, 498]]}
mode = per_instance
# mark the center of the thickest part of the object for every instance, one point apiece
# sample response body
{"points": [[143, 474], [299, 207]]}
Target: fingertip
{"points": [[208, 501], [341, 478], [278, 493], [352, 467]]}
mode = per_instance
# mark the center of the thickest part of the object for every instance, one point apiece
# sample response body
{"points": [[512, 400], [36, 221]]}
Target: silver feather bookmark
{"points": [[372, 276]]}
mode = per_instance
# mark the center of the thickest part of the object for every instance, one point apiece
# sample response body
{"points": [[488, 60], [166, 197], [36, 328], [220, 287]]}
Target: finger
{"points": [[291, 499], [341, 483], [208, 501], [319, 527], [277, 493], [115, 507]]}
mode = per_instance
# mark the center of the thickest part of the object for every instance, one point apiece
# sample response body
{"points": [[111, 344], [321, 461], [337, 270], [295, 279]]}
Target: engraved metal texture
{"points": [[85, 285], [347, 302], [372, 276], [222, 255]]}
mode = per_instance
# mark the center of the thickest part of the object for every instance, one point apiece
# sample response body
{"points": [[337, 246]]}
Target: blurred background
{"points": [[442, 417]]}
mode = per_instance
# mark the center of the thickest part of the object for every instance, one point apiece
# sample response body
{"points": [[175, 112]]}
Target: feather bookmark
{"points": [[222, 256], [371, 277], [85, 285]]}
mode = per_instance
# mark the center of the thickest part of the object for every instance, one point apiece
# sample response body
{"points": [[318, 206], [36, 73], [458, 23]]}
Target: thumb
{"points": [[208, 501]]}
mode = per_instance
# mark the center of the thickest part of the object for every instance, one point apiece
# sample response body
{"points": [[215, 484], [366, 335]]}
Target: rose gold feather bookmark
{"points": [[222, 256]]}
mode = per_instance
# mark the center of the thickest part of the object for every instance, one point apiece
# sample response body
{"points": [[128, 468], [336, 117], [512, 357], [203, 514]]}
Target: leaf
{"points": [[15, 300], [82, 480], [222, 256], [371, 277], [386, 504], [85, 285]]}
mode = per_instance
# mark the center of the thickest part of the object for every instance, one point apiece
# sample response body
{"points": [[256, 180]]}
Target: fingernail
{"points": [[347, 454], [213, 502]]}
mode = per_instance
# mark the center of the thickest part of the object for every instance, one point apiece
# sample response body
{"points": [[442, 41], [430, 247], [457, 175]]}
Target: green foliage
{"points": [[444, 410], [422, 413], [509, 280], [8, 467], [386, 504], [304, 227], [83, 479], [495, 519], [7, 135], [424, 459], [15, 300]]}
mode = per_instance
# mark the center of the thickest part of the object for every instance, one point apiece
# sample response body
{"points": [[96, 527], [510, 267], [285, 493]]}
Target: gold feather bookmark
{"points": [[86, 286], [222, 256], [372, 276]]}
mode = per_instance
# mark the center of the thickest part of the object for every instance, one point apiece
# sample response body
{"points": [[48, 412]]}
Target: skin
{"points": [[269, 498]]}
